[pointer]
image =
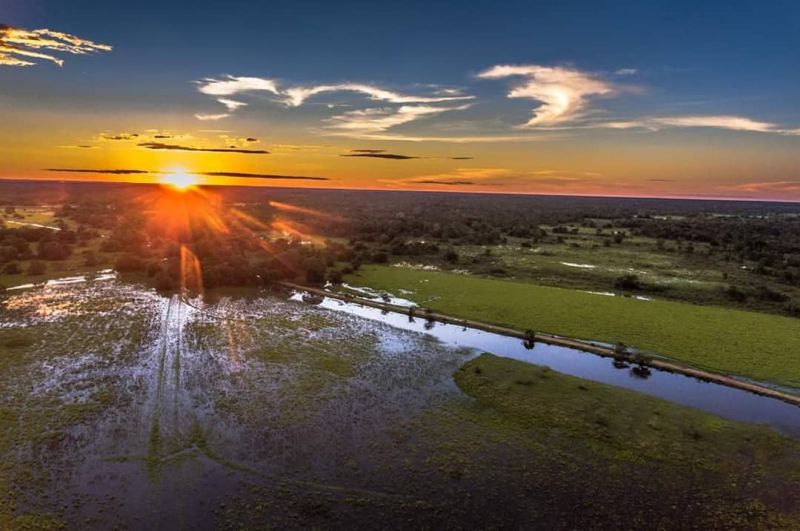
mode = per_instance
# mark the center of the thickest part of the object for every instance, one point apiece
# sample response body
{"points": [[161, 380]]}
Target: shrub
{"points": [[627, 283]]}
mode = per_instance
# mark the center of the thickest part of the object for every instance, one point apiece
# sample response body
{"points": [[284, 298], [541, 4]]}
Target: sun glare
{"points": [[180, 180]]}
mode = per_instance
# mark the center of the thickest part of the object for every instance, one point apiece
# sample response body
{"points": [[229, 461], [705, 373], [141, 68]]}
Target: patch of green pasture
{"points": [[757, 345], [620, 424]]}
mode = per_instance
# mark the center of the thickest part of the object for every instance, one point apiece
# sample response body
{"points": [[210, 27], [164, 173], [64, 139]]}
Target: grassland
{"points": [[755, 345], [740, 463], [615, 422]]}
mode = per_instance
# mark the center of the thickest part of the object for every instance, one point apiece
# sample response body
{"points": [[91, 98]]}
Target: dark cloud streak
{"points": [[261, 176], [392, 156], [176, 147], [108, 172]]}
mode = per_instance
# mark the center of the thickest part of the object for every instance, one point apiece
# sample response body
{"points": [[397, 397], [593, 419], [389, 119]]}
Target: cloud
{"points": [[549, 180], [456, 182], [79, 146], [563, 92], [212, 117], [364, 122], [476, 139], [119, 136], [736, 123], [626, 72], [296, 96], [176, 147], [235, 85], [770, 186], [392, 156], [381, 154], [108, 172], [18, 47], [354, 122], [231, 105], [729, 122], [262, 176], [207, 174]]}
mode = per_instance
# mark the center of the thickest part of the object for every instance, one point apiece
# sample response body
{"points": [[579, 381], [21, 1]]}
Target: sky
{"points": [[623, 98]]}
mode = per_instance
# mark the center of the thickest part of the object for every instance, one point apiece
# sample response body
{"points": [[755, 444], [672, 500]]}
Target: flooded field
{"points": [[121, 407]]}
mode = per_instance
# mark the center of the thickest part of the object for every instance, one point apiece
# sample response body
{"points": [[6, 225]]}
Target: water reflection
{"points": [[714, 398]]}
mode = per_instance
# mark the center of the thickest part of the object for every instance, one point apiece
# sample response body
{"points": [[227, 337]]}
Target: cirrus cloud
{"points": [[563, 93], [19, 47]]}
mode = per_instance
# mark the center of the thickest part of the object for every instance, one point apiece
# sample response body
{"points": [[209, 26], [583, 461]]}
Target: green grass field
{"points": [[617, 423], [761, 346]]}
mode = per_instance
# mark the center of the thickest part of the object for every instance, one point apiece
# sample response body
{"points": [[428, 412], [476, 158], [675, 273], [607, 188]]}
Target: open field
{"points": [[751, 344], [121, 407]]}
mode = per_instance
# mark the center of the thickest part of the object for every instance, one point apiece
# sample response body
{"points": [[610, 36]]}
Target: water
{"points": [[727, 402]]}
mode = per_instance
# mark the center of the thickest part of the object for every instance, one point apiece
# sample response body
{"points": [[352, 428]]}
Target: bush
{"points": [[335, 276], [627, 283]]}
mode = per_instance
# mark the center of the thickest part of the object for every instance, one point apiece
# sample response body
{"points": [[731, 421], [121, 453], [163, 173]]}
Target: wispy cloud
{"points": [[549, 180], [19, 47], [101, 171], [730, 122], [382, 154], [563, 93], [392, 156], [211, 116], [119, 136], [268, 176], [364, 122], [262, 176], [767, 187], [231, 85], [626, 72], [294, 96], [455, 182], [177, 147]]}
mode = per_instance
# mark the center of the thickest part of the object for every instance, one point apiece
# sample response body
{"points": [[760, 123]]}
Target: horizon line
{"points": [[417, 190]]}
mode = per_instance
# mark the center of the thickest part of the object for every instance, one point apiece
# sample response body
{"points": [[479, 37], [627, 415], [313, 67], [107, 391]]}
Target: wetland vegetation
{"points": [[185, 390]]}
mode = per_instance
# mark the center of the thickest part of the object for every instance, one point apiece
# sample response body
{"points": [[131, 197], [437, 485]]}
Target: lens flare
{"points": [[180, 180]]}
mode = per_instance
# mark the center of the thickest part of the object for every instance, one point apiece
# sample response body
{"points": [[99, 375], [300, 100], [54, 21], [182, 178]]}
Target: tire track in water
{"points": [[165, 410]]}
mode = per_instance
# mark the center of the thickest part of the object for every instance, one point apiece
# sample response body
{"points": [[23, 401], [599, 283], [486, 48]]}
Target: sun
{"points": [[180, 180]]}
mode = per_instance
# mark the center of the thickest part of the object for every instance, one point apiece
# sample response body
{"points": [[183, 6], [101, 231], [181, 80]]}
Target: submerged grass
{"points": [[751, 344]]}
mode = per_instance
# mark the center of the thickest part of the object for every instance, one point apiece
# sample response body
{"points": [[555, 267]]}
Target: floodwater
{"points": [[125, 408], [727, 402]]}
